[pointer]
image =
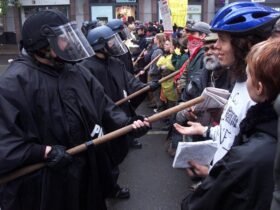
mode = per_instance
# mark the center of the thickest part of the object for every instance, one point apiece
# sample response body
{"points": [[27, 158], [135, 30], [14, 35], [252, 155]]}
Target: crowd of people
{"points": [[63, 90]]}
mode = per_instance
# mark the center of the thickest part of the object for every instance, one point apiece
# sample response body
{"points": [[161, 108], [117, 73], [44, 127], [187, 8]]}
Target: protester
{"points": [[48, 105], [276, 194], [154, 72], [211, 75], [180, 54], [199, 32], [234, 42], [243, 178], [275, 205], [141, 39], [164, 63]]}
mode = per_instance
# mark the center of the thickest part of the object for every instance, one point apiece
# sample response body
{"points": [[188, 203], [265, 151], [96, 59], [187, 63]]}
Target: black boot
{"points": [[120, 192], [135, 144]]}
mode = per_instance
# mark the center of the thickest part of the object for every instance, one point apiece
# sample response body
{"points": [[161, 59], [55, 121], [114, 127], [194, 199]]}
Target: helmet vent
{"points": [[259, 14], [237, 20]]}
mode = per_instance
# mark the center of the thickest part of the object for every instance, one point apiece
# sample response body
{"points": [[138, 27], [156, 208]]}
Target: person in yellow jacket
{"points": [[168, 91], [165, 65]]}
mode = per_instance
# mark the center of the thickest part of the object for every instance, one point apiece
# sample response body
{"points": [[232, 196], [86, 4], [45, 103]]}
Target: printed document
{"points": [[214, 98], [201, 152]]}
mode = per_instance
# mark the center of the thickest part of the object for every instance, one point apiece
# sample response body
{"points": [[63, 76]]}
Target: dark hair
{"points": [[241, 47], [130, 19]]}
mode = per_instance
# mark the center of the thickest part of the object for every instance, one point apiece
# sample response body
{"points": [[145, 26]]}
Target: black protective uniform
{"points": [[42, 106], [118, 83], [127, 60]]}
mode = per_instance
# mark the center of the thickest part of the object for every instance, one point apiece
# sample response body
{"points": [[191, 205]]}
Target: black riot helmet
{"points": [[104, 39], [50, 28], [119, 27], [88, 25]]}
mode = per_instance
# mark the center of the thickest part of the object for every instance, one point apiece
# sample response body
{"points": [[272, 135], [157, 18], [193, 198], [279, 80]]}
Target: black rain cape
{"points": [[43, 106], [118, 83]]}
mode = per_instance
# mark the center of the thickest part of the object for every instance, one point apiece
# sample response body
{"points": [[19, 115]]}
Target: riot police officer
{"points": [[119, 27], [118, 83]]}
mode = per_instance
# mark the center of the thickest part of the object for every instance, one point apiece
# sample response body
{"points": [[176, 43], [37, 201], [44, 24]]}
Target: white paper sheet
{"points": [[214, 98], [201, 152]]}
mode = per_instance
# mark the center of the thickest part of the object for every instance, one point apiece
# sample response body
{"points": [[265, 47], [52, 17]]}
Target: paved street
{"points": [[4, 61], [153, 183]]}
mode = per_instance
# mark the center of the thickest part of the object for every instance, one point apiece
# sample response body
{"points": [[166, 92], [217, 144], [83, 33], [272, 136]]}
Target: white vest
{"points": [[234, 112]]}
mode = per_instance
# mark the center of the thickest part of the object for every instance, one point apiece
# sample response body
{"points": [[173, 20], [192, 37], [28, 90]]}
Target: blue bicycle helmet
{"points": [[244, 18]]}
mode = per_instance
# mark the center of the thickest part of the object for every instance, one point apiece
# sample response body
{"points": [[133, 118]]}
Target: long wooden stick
{"points": [[145, 89], [108, 137], [139, 57], [148, 66]]}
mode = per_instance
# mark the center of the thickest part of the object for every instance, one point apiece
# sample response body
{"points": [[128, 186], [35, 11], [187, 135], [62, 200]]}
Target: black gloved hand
{"points": [[154, 85], [138, 132], [58, 157]]}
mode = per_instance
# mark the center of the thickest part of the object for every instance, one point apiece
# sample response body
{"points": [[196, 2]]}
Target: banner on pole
{"points": [[179, 10], [166, 16]]}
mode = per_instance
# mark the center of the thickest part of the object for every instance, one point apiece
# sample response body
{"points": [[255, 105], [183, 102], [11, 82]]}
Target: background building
{"points": [[14, 12]]}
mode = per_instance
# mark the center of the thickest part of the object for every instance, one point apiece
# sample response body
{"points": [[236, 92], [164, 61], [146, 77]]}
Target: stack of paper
{"points": [[202, 152], [214, 98]]}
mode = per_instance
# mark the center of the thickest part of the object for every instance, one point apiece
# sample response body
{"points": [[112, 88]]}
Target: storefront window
{"points": [[125, 11], [102, 13]]}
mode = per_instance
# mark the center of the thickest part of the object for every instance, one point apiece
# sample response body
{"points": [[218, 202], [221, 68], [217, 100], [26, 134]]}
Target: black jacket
{"points": [[43, 106], [118, 83], [127, 60], [275, 204], [195, 74], [243, 179]]}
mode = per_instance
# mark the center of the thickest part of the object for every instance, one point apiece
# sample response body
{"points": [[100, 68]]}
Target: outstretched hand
{"points": [[194, 129]]}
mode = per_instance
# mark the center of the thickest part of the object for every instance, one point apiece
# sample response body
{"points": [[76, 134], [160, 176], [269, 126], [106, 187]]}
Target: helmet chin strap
{"points": [[105, 54]]}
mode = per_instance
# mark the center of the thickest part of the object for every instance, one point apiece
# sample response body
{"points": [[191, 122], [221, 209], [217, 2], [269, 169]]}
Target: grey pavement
{"points": [[7, 52], [148, 172], [4, 61]]}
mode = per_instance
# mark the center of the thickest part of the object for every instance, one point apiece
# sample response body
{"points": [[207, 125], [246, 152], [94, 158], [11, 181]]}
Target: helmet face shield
{"points": [[127, 33], [69, 43], [115, 46]]}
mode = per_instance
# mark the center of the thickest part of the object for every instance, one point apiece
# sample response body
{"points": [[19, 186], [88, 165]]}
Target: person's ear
{"points": [[202, 36], [260, 89]]}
